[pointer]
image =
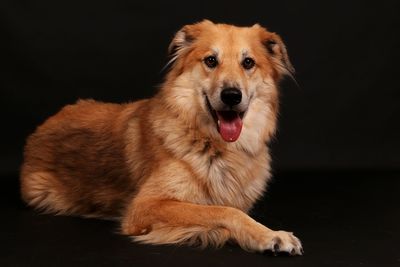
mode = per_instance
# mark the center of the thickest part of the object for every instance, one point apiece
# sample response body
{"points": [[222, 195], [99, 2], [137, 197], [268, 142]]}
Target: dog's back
{"points": [[75, 164]]}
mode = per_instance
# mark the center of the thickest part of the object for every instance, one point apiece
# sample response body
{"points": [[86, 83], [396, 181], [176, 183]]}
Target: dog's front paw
{"points": [[278, 242]]}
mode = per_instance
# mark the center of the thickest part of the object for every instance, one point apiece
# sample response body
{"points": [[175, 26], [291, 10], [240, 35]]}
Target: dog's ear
{"points": [[276, 50], [184, 38]]}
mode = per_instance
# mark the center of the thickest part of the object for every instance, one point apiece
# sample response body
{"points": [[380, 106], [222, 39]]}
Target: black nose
{"points": [[231, 96]]}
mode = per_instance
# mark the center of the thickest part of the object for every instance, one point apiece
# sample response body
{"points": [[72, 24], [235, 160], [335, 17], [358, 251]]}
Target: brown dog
{"points": [[182, 167]]}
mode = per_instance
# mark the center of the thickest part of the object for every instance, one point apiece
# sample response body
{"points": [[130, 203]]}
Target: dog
{"points": [[182, 167]]}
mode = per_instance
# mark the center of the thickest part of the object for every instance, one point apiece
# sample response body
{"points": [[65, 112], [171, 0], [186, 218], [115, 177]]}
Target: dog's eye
{"points": [[211, 61], [248, 63]]}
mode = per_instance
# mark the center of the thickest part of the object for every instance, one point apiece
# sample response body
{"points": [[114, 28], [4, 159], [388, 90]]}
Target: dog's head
{"points": [[225, 68]]}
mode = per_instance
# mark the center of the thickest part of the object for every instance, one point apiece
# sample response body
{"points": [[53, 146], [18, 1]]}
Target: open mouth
{"points": [[229, 122]]}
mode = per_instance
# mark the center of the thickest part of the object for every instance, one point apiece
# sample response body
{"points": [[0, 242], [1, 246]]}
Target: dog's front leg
{"points": [[158, 221]]}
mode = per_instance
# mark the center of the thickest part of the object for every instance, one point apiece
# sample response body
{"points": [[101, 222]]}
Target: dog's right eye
{"points": [[211, 61]]}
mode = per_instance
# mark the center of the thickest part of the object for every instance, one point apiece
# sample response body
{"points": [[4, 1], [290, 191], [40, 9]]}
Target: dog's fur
{"points": [[159, 165]]}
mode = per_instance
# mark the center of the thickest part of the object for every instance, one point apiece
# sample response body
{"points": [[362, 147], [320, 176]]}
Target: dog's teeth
{"points": [[219, 122]]}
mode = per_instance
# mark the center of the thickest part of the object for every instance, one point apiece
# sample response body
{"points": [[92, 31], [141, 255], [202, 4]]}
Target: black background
{"points": [[345, 114]]}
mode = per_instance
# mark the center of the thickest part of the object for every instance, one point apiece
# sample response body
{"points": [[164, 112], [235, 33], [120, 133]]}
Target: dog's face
{"points": [[225, 67]]}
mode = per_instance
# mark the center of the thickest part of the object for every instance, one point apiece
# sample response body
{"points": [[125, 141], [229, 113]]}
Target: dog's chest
{"points": [[237, 183], [230, 177]]}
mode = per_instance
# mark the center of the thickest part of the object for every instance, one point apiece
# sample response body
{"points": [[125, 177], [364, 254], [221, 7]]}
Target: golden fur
{"points": [[159, 165]]}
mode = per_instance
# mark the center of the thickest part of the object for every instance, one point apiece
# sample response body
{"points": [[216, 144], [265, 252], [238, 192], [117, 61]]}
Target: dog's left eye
{"points": [[211, 62], [248, 63]]}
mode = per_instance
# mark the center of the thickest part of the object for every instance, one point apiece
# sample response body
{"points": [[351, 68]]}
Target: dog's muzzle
{"points": [[229, 121]]}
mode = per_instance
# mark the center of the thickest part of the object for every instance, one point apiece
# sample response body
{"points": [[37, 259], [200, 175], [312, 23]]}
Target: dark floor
{"points": [[342, 218]]}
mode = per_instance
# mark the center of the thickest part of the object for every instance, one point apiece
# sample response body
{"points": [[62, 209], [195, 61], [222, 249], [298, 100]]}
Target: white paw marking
{"points": [[282, 241]]}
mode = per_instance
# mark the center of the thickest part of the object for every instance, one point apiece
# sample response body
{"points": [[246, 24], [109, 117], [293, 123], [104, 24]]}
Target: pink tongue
{"points": [[230, 125]]}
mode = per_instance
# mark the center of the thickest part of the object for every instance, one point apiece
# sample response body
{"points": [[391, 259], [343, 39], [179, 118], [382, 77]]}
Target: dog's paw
{"points": [[282, 242]]}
